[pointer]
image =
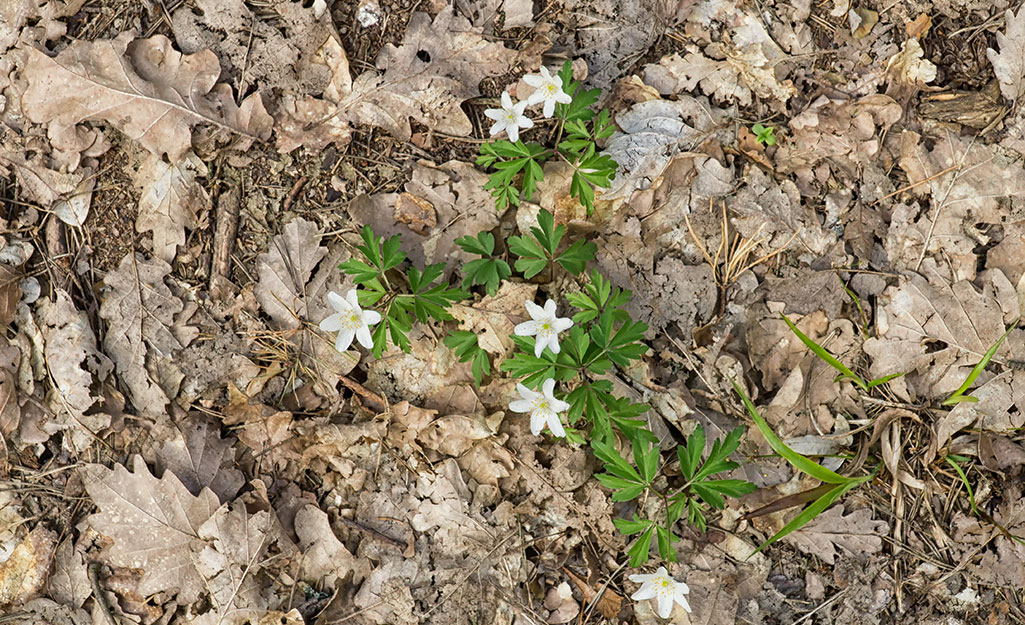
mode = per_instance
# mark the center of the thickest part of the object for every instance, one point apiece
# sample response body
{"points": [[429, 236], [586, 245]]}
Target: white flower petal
{"points": [[549, 108], [332, 323], [647, 591], [555, 425], [534, 80], [344, 340], [535, 311], [527, 328], [562, 324], [665, 605], [537, 422], [544, 74], [514, 132], [364, 337], [536, 97], [548, 388], [371, 317], [553, 343], [353, 299], [497, 128], [562, 97], [682, 600], [526, 393], [519, 109], [525, 122], [506, 100], [337, 302], [495, 114], [559, 406], [550, 308], [539, 346], [520, 405], [640, 578]]}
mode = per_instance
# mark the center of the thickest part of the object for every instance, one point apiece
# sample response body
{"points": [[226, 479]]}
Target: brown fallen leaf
{"points": [[285, 269], [144, 87], [24, 573], [154, 525], [74, 362], [67, 194], [192, 449], [10, 293], [608, 604], [170, 199], [1009, 62], [855, 532], [146, 327], [262, 428], [494, 317]]}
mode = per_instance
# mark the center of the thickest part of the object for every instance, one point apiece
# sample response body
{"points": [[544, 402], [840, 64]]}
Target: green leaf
{"points": [[639, 551], [799, 462], [631, 527], [690, 452], [812, 511], [976, 371], [466, 347], [646, 458], [665, 543], [576, 256], [826, 356], [483, 244]]}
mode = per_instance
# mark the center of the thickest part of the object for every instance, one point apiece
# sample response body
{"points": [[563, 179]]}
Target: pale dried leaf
{"points": [[67, 195], [72, 359], [24, 573], [285, 269], [154, 525], [145, 88], [518, 13], [934, 335], [195, 452], [324, 556], [69, 582], [146, 326], [237, 541], [493, 318], [170, 198], [1009, 63], [856, 533]]}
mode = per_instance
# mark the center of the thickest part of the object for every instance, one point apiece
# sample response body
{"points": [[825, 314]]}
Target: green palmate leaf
{"points": [[466, 347], [576, 256], [665, 543], [483, 244], [690, 452], [959, 394], [631, 527], [547, 234], [639, 551]]}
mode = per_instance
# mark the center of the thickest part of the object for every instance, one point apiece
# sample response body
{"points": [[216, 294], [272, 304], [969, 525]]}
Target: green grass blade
{"points": [[883, 380], [825, 355], [809, 513], [801, 463], [977, 371], [964, 480]]}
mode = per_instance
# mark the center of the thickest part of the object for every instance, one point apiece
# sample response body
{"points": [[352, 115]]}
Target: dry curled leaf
{"points": [[170, 198], [73, 361], [194, 451], [1009, 62], [144, 87], [146, 326], [24, 573], [154, 525], [856, 533], [67, 194], [285, 269]]}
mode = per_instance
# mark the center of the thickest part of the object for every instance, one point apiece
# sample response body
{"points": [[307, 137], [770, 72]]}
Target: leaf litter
{"points": [[274, 479]]}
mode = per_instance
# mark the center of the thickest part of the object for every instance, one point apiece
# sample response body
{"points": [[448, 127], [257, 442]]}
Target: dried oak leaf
{"points": [[146, 327], [285, 269], [145, 88], [73, 360], [170, 198], [24, 573], [194, 451], [1009, 63], [494, 317], [67, 195], [935, 335], [324, 558], [154, 525], [651, 134], [427, 77], [856, 533]]}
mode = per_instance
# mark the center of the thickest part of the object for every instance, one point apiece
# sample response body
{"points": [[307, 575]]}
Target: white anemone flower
{"points": [[349, 321], [509, 118], [663, 589], [547, 89], [543, 407], [544, 325]]}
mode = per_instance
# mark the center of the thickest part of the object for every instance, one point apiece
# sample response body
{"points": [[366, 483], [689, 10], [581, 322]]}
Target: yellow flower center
{"points": [[550, 88], [545, 328], [352, 321]]}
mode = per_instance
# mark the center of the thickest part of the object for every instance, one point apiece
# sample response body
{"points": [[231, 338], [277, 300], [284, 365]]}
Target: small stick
{"points": [[94, 579], [228, 204]]}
